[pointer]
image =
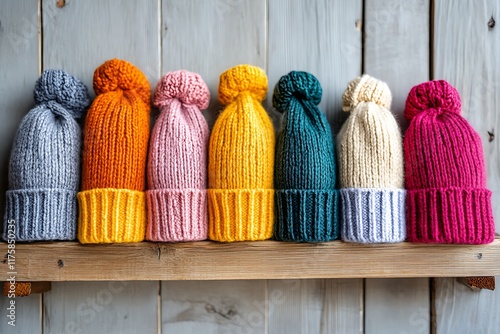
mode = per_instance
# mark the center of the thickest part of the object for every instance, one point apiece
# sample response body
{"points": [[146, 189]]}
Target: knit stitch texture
{"points": [[241, 159], [370, 155], [305, 168], [44, 168], [112, 201], [177, 161], [445, 172]]}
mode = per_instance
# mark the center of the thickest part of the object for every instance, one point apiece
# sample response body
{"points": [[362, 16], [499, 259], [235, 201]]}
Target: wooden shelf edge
{"points": [[206, 260]]}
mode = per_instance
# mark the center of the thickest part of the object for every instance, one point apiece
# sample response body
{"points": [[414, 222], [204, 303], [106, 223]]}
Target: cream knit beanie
{"points": [[370, 158]]}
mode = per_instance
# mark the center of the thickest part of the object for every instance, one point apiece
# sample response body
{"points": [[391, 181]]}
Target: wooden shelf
{"points": [[71, 261]]}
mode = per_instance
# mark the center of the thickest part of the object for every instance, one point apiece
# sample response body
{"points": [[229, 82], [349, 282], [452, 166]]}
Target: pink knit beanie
{"points": [[447, 200], [177, 161]]}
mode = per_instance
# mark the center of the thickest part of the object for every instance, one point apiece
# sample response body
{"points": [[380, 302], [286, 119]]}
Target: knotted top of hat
{"points": [[436, 95], [244, 79], [57, 86], [186, 87], [366, 89]]}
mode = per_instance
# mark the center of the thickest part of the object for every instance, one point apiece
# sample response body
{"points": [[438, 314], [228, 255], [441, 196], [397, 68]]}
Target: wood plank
{"points": [[69, 261], [462, 310], [19, 69], [214, 306], [28, 315], [406, 300], [315, 306], [396, 50], [322, 37], [306, 36], [101, 307], [210, 36], [80, 35], [466, 53]]}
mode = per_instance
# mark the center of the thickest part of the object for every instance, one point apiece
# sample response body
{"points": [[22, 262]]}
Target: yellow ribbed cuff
{"points": [[240, 214], [111, 215]]}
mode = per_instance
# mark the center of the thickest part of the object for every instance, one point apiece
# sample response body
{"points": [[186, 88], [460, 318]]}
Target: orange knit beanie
{"points": [[116, 132]]}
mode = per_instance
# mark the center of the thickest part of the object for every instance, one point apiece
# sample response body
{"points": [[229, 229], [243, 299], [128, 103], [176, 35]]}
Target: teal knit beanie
{"points": [[305, 169]]}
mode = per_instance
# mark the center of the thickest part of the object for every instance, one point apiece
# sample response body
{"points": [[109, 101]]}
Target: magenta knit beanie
{"points": [[177, 161], [447, 200]]}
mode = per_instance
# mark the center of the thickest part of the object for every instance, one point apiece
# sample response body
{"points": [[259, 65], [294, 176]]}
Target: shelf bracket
{"points": [[479, 282], [22, 289]]}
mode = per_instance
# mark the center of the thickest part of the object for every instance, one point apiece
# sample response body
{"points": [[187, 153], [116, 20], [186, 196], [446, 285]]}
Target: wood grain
{"points": [[19, 69], [28, 315], [101, 307], [213, 307], [466, 53], [462, 310], [322, 37], [402, 303], [210, 36], [315, 306], [396, 50], [69, 261], [80, 36]]}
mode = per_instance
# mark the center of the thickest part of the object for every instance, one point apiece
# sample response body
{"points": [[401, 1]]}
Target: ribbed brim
{"points": [[111, 216], [41, 214], [450, 216], [306, 215], [240, 214], [176, 215], [372, 215]]}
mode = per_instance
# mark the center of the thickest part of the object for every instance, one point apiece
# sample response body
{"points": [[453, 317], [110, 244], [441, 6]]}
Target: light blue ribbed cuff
{"points": [[41, 214], [372, 215]]}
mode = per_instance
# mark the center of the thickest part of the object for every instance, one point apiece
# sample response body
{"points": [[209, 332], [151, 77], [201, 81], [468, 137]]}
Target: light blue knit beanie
{"points": [[44, 166]]}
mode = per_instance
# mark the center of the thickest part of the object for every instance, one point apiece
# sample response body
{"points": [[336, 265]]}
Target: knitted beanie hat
{"points": [[44, 169], [370, 155], [112, 200], [304, 176], [241, 159], [177, 162], [445, 172]]}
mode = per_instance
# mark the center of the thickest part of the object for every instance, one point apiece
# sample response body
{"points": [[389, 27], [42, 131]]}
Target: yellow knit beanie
{"points": [[241, 160]]}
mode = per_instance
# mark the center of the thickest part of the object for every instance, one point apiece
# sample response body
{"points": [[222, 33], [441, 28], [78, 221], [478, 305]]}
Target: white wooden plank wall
{"points": [[19, 69], [396, 50], [209, 36], [466, 53], [214, 307], [322, 37], [316, 306], [101, 307]]}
